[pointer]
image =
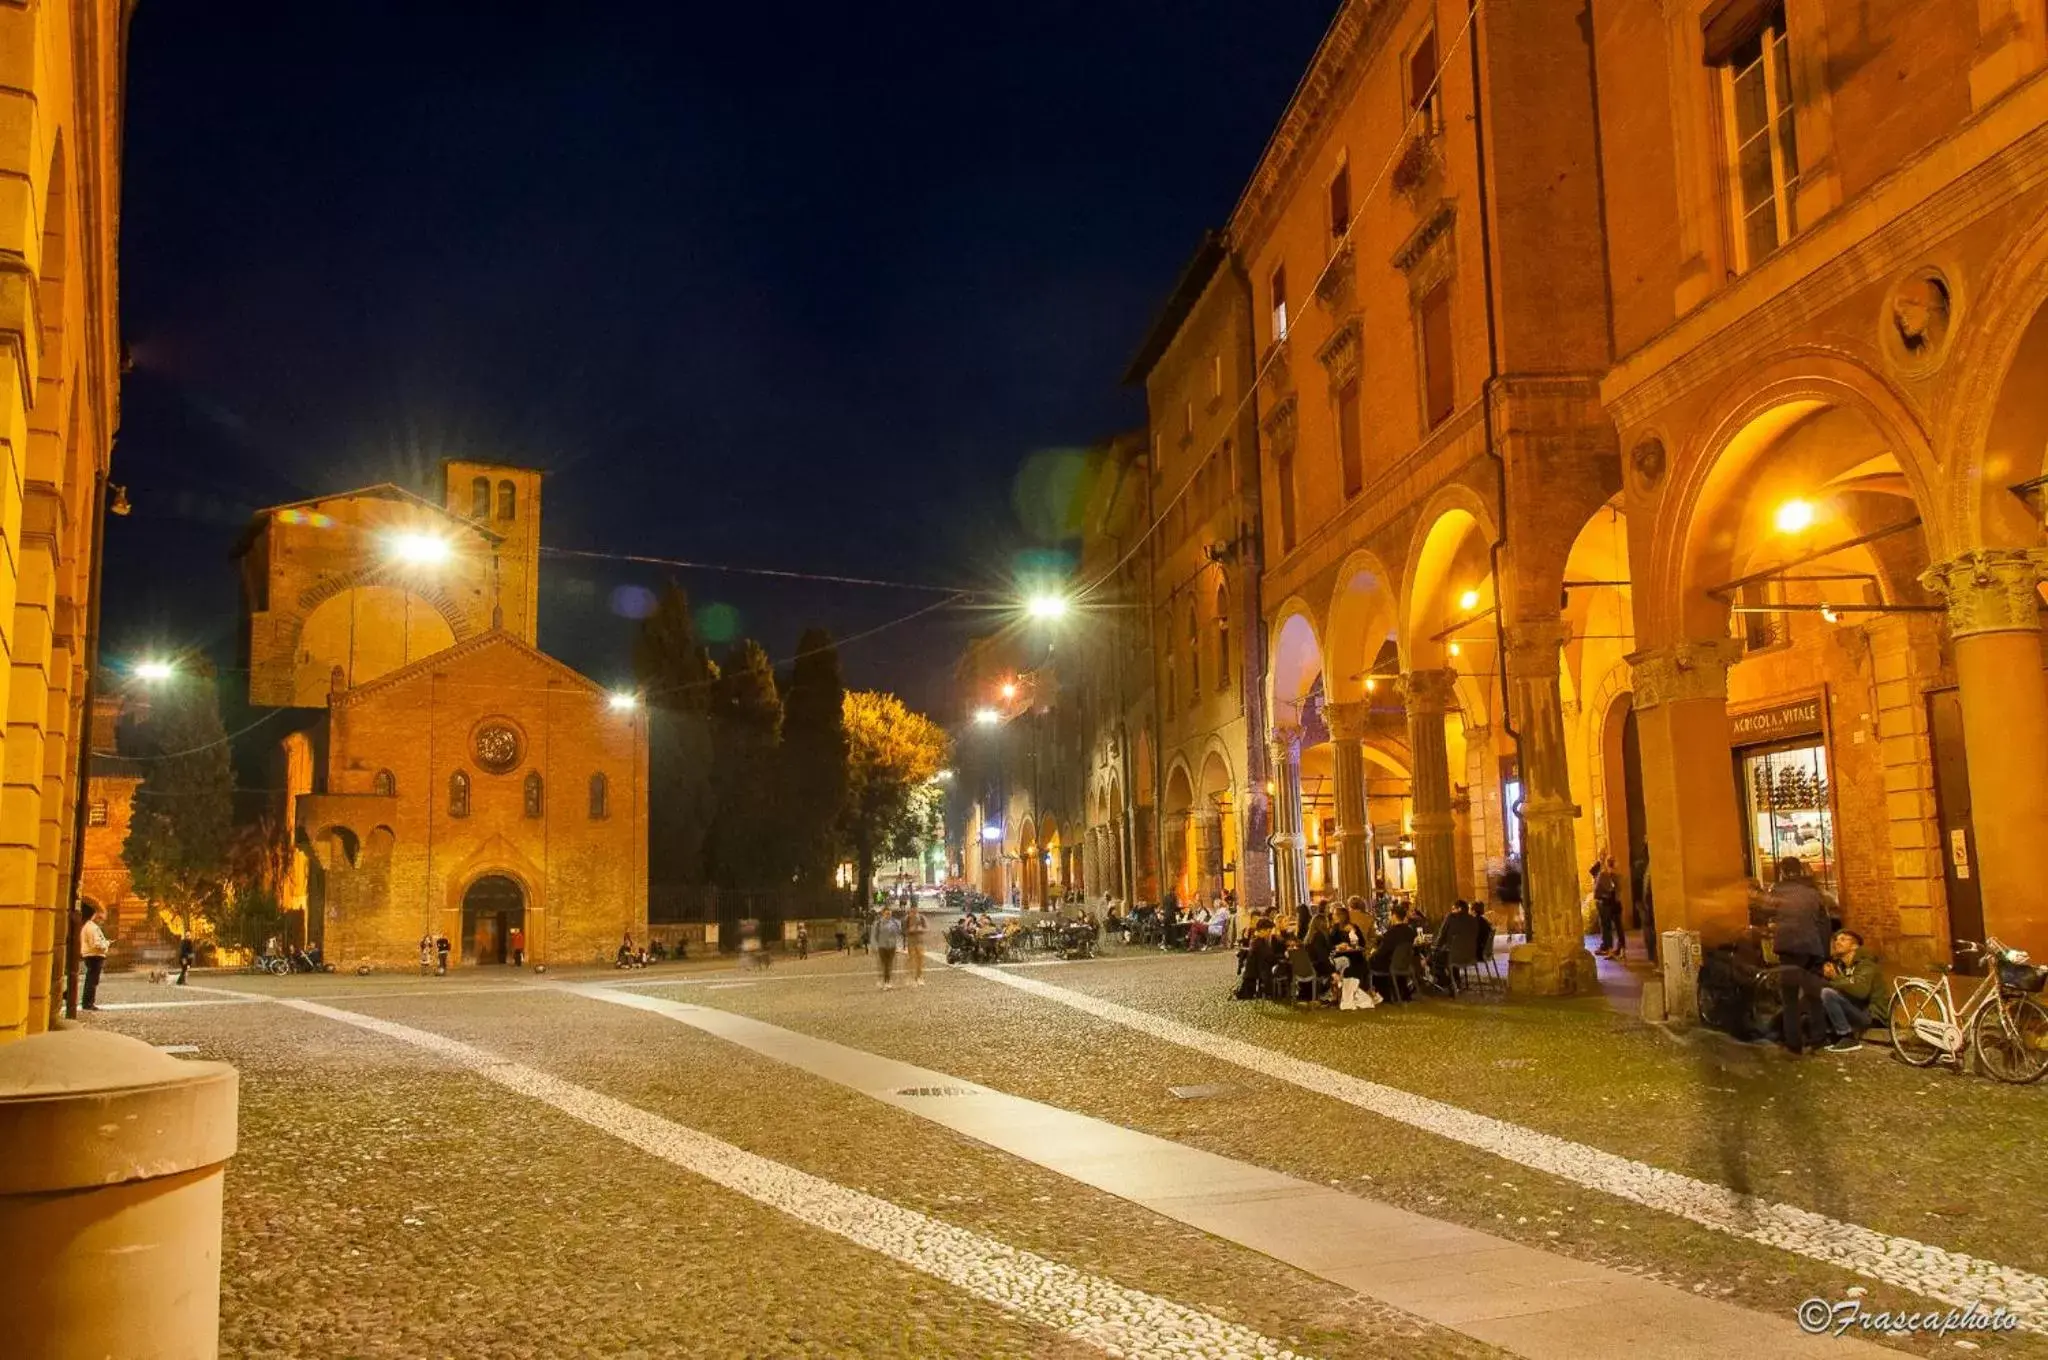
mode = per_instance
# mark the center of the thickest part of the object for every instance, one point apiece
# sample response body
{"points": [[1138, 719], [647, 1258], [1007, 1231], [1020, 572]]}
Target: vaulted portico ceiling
{"points": [[1347, 47]]}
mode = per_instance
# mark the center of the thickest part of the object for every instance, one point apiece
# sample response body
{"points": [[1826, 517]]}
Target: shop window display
{"points": [[1787, 792]]}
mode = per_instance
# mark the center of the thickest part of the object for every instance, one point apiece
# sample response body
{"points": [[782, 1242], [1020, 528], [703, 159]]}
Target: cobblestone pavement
{"points": [[383, 1204], [1500, 1059]]}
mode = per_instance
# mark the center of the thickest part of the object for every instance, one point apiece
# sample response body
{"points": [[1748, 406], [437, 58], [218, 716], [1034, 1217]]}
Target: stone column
{"points": [[1176, 860], [1689, 794], [1994, 623], [1207, 829], [1354, 827], [1554, 962], [1429, 696], [1290, 872]]}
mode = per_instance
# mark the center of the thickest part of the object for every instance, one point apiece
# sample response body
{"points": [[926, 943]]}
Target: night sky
{"points": [[818, 288]]}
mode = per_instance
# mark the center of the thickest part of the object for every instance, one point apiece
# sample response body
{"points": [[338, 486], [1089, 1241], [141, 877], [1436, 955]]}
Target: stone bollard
{"points": [[1678, 958], [110, 1198]]}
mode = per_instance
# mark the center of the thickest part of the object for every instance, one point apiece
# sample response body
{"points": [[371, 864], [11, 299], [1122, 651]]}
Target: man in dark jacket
{"points": [[1853, 990], [1801, 927], [1380, 966]]}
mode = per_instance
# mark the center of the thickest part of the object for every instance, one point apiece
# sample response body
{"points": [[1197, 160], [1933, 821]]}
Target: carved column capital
{"points": [[1990, 590], [1348, 722], [1688, 670], [1286, 742], [1429, 691], [1534, 649]]}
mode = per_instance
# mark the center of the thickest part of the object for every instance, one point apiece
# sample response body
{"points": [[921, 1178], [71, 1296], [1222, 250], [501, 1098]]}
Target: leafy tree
{"points": [[812, 761], [891, 754], [922, 825], [178, 843], [746, 726], [676, 675]]}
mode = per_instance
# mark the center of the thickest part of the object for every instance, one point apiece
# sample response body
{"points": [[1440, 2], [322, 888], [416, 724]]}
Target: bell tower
{"points": [[505, 500]]}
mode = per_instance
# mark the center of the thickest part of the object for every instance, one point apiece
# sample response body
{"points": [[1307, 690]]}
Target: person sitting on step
{"points": [[1852, 987]]}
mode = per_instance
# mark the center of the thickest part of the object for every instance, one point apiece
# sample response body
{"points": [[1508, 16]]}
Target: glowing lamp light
{"points": [[1371, 684], [1009, 689], [987, 717], [1046, 606], [1794, 516], [942, 776], [1455, 649], [621, 701], [420, 550], [1469, 600], [1828, 614], [991, 832], [154, 671]]}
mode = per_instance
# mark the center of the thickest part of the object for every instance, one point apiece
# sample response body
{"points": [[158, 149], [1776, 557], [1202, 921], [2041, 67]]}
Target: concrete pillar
{"points": [[23, 987], [1689, 794], [110, 1197], [1354, 827], [1554, 962], [1428, 695], [1994, 621], [1206, 830], [1176, 864], [1290, 870]]}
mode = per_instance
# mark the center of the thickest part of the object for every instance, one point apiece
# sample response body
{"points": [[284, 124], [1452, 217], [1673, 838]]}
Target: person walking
{"points": [[913, 944], [803, 940], [1607, 902], [888, 934], [515, 939], [92, 948], [442, 949], [1801, 931], [185, 953]]}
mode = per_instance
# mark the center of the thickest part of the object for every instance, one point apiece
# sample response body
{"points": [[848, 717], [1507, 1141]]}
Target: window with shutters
{"points": [[480, 498], [1349, 453], [1283, 470], [458, 794], [1425, 91], [1340, 200], [1194, 655], [384, 784], [1763, 153], [508, 500], [1278, 288], [600, 798], [1222, 638], [533, 793], [1433, 327]]}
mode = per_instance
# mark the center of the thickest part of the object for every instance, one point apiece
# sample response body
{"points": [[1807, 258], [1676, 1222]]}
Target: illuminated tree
{"points": [[179, 837], [892, 755]]}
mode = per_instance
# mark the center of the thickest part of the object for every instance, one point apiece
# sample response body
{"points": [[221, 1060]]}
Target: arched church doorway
{"points": [[493, 905]]}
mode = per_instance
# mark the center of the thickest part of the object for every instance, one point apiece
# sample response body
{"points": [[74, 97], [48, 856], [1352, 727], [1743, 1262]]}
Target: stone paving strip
{"points": [[1524, 1300], [1951, 1277], [1101, 1313]]}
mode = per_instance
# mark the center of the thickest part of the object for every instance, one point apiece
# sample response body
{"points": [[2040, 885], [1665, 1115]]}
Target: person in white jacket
{"points": [[92, 947]]}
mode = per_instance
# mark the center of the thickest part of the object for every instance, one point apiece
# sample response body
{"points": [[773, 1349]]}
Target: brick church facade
{"points": [[459, 781]]}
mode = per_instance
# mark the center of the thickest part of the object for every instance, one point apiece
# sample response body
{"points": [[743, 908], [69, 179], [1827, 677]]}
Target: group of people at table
{"points": [[1390, 950]]}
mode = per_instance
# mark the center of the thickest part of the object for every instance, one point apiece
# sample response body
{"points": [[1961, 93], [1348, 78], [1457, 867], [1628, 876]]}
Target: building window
{"points": [[385, 785], [458, 794], [1279, 302], [96, 812], [1789, 813], [508, 500], [1222, 638], [1194, 655], [1433, 322], [1283, 468], [533, 793], [480, 498], [1425, 95], [1172, 670], [1340, 201], [600, 798], [1763, 158], [1349, 454], [1215, 378], [1760, 625]]}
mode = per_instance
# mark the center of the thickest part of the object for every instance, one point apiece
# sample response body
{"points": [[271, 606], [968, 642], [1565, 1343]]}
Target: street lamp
{"points": [[1009, 690], [623, 701], [1047, 606], [1794, 516], [1469, 600], [419, 550], [987, 717], [154, 671]]}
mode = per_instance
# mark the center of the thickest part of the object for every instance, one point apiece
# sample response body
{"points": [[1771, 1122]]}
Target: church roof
{"points": [[388, 491], [460, 652]]}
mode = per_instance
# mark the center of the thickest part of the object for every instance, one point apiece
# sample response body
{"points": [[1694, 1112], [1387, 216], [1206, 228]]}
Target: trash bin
{"points": [[110, 1198]]}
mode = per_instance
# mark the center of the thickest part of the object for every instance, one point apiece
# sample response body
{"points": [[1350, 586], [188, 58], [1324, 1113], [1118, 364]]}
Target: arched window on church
{"points": [[458, 794], [533, 803], [480, 498], [508, 500], [600, 797], [385, 785]]}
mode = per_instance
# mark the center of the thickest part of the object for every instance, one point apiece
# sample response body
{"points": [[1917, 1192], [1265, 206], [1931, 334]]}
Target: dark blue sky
{"points": [[802, 287]]}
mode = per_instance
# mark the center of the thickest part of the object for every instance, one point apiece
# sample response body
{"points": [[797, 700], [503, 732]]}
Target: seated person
{"points": [[1198, 928], [1219, 927], [1380, 966], [1261, 948], [1459, 932], [1349, 943], [1850, 992]]}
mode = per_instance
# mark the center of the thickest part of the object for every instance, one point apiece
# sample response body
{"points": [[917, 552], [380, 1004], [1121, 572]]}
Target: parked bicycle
{"points": [[2000, 1017]]}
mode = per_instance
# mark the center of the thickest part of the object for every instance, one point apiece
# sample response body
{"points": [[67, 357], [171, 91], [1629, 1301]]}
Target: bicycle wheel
{"points": [[2012, 1041], [1914, 1000]]}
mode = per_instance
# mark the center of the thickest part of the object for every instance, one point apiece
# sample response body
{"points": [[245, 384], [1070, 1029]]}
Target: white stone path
{"points": [[1930, 1271], [1526, 1301], [1099, 1312]]}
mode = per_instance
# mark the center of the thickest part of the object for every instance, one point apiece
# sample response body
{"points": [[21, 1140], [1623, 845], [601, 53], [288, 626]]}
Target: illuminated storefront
{"points": [[1784, 781]]}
